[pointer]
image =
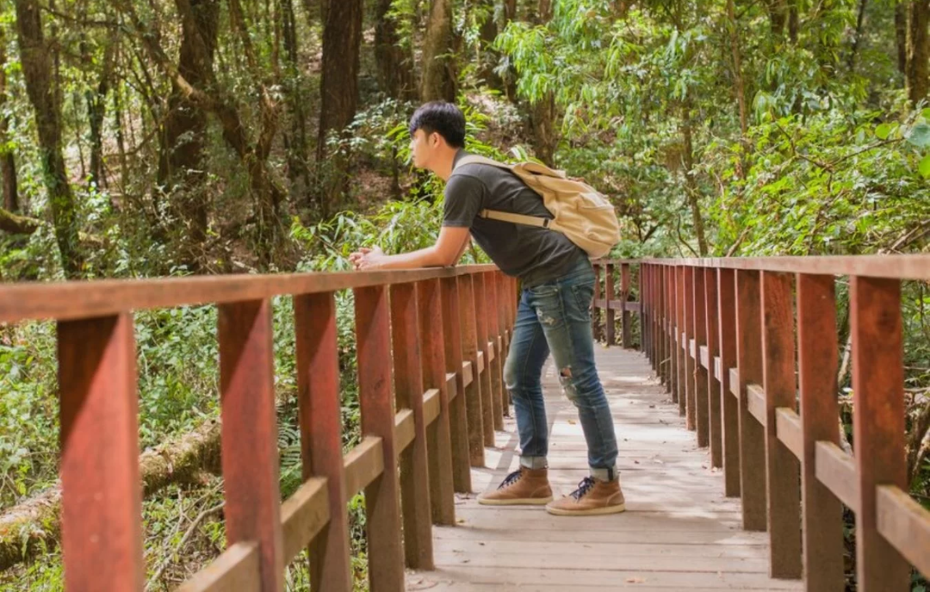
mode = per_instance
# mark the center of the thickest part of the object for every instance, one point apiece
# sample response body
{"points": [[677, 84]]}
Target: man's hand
{"points": [[447, 251], [367, 259]]}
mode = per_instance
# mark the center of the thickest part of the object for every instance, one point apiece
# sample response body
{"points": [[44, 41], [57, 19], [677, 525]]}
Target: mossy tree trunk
{"points": [[37, 59]]}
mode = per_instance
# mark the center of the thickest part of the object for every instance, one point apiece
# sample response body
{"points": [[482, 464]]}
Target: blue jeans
{"points": [[555, 316]]}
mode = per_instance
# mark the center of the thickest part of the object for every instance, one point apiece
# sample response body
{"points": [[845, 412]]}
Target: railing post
{"points": [[321, 433], [382, 503], [489, 409], [688, 315], [609, 329], [645, 313], [458, 413], [780, 387], [627, 328], [476, 430], [439, 439], [101, 503], [494, 346], [878, 423], [408, 390], [818, 361], [714, 394], [503, 296], [752, 434], [726, 332], [653, 317], [662, 295], [702, 405], [672, 386], [595, 309], [680, 339], [250, 434]]}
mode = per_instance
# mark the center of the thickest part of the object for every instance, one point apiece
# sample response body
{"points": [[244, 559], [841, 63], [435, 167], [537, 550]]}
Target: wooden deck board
{"points": [[679, 531]]}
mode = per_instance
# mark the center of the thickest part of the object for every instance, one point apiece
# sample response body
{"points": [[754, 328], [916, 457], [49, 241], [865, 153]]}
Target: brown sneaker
{"points": [[524, 487], [590, 499]]}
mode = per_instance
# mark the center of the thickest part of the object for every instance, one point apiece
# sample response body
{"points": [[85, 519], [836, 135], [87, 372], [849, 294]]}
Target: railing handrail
{"points": [[904, 267], [93, 298]]}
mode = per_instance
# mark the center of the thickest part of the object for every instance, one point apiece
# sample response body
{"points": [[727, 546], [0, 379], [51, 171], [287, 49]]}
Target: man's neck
{"points": [[444, 162]]}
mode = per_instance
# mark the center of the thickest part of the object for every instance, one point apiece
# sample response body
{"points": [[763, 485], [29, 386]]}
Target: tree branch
{"points": [[16, 224]]}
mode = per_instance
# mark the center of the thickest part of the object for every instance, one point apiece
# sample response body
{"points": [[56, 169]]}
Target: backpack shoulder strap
{"points": [[517, 218], [497, 214], [476, 159]]}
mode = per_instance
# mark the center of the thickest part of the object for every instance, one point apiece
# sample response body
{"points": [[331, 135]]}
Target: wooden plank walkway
{"points": [[679, 531]]}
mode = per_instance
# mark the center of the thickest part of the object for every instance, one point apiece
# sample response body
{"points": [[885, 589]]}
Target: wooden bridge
{"points": [[743, 354]]}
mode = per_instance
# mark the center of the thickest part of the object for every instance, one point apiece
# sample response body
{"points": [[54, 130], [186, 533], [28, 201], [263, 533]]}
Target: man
{"points": [[553, 314]]}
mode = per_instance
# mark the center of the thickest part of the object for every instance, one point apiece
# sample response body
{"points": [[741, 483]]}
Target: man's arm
{"points": [[448, 249], [463, 249]]}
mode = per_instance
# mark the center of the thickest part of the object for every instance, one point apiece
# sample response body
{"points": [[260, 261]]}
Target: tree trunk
{"points": [[295, 141], [900, 30], [489, 56], [32, 527], [96, 109], [37, 63], [120, 140], [314, 10], [438, 83], [181, 169], [918, 51], [857, 40], [544, 12], [545, 137], [691, 187], [510, 11], [543, 114], [738, 86], [395, 61], [793, 22], [342, 36], [7, 160], [778, 17]]}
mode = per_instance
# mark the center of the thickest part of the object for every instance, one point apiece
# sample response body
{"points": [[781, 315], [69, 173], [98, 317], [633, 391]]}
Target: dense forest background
{"points": [[147, 138]]}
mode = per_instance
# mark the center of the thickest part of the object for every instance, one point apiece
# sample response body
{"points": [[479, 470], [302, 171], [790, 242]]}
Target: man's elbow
{"points": [[446, 258]]}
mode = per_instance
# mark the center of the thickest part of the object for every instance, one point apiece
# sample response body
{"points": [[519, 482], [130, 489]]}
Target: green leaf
{"points": [[924, 166], [884, 130], [920, 135]]}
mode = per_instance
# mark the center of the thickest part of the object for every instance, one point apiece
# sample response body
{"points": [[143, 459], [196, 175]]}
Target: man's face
{"points": [[420, 149]]}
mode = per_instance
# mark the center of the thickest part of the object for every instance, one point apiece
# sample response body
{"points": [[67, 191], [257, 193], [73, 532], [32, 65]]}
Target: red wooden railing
{"points": [[608, 299], [721, 334], [440, 333]]}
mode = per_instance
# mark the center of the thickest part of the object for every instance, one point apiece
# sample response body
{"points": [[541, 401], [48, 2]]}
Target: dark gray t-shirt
{"points": [[533, 254]]}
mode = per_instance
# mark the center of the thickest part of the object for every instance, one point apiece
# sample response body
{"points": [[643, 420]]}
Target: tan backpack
{"points": [[579, 211]]}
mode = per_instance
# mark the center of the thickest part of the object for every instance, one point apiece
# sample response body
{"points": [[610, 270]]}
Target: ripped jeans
{"points": [[556, 317]]}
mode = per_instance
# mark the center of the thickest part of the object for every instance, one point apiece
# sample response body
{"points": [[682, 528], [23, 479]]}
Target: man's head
{"points": [[437, 132]]}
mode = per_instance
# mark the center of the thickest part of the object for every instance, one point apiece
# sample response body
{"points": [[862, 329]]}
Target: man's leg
{"points": [[523, 378], [522, 375], [563, 309]]}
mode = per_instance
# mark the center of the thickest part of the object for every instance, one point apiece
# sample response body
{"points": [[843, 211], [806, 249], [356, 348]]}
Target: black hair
{"points": [[443, 118]]}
